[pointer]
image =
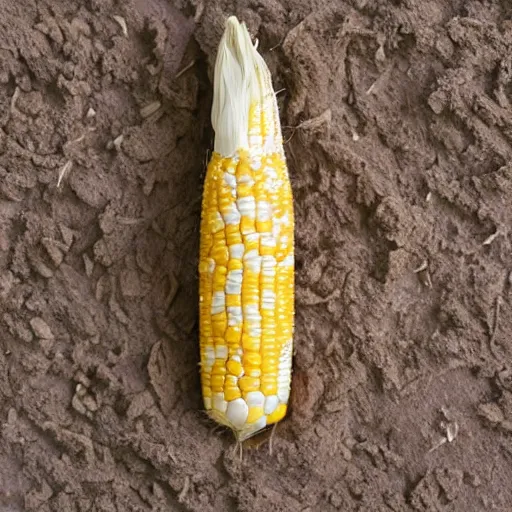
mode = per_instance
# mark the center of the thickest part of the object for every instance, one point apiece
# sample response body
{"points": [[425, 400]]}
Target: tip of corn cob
{"points": [[242, 90]]}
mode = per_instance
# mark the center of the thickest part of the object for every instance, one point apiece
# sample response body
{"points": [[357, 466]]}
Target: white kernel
{"points": [[288, 261], [255, 399], [284, 366], [276, 227], [246, 179], [256, 163], [209, 355], [247, 206], [237, 412], [263, 211], [271, 172], [268, 240], [234, 315], [233, 288], [283, 393], [236, 251], [235, 276], [221, 352], [283, 377], [232, 216], [254, 264], [251, 255], [230, 180], [218, 302], [268, 299], [234, 282], [207, 402], [219, 404], [271, 402], [255, 331], [259, 424], [252, 313]]}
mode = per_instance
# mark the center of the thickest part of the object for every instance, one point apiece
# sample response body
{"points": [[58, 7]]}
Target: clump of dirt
{"points": [[398, 123]]}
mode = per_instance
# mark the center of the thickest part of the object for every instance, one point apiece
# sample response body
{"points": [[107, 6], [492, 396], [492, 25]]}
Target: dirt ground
{"points": [[398, 124]]}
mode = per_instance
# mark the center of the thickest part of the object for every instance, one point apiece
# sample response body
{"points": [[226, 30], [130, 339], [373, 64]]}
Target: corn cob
{"points": [[246, 260]]}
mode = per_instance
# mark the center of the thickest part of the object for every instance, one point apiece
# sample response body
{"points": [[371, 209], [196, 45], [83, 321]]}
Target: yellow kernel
{"points": [[233, 300], [269, 364], [219, 367], [252, 359], [217, 383], [250, 344], [244, 190], [234, 367], [255, 413], [277, 415], [220, 254], [232, 394], [233, 334], [235, 237], [247, 225], [235, 264], [251, 244], [269, 388], [203, 267], [247, 384], [264, 226], [230, 381]]}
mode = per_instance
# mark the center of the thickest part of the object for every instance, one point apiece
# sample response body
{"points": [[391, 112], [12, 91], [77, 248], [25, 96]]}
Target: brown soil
{"points": [[398, 123]]}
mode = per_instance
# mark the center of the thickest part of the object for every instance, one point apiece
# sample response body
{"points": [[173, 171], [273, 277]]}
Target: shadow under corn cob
{"points": [[246, 260]]}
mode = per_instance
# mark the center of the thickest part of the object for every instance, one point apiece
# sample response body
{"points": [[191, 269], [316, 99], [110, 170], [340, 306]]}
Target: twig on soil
{"points": [[490, 238], [184, 490], [438, 444], [122, 24], [276, 46], [149, 109], [492, 338], [65, 169], [373, 89], [14, 98], [171, 455], [185, 69], [424, 268], [199, 12], [451, 429]]}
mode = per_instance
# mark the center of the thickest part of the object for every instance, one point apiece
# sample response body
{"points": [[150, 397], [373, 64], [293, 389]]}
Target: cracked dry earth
{"points": [[398, 123]]}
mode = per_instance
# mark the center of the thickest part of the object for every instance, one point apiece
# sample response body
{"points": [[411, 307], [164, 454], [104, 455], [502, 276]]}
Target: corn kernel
{"points": [[277, 415]]}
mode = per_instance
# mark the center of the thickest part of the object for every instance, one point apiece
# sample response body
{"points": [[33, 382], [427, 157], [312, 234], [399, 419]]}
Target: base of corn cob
{"points": [[246, 265]]}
